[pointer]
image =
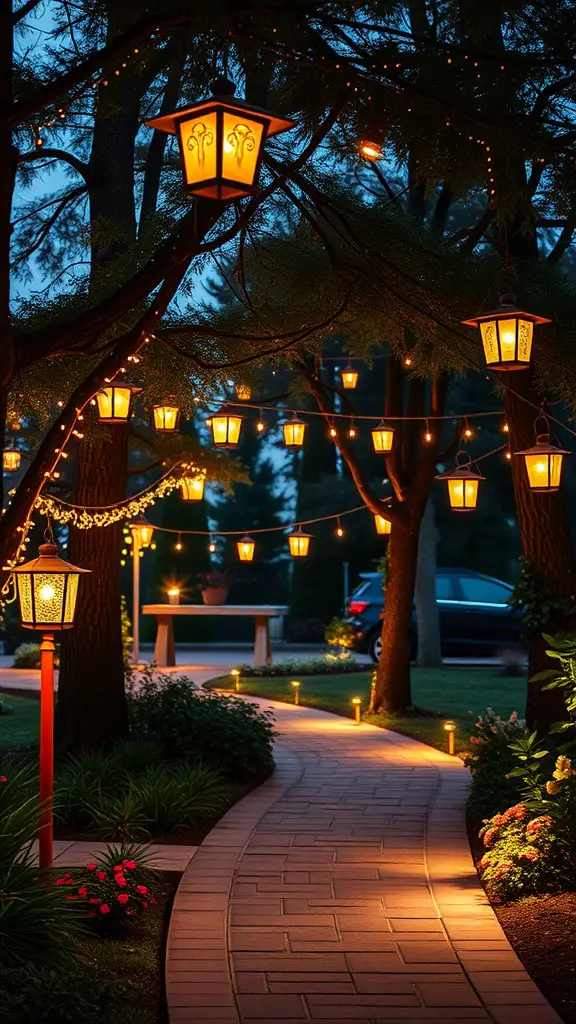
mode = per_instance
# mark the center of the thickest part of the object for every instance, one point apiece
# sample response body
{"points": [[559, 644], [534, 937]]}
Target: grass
{"points": [[438, 694], [22, 728]]}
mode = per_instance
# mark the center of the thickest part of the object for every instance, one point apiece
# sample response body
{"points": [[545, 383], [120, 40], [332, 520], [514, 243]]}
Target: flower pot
{"points": [[215, 595]]}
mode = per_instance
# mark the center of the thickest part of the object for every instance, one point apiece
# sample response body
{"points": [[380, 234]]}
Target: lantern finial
{"points": [[223, 87]]}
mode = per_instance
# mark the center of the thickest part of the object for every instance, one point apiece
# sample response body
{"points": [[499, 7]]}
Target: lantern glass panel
{"points": [[226, 429], [383, 526], [11, 460], [299, 544], [245, 550], [463, 493], [544, 471], [525, 332], [507, 336], [199, 146], [192, 488], [114, 403], [490, 341], [294, 433], [241, 141], [166, 417], [24, 582], [349, 379], [71, 595], [382, 438]]}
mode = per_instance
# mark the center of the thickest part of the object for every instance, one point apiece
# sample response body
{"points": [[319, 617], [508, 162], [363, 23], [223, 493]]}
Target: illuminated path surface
{"points": [[343, 890]]}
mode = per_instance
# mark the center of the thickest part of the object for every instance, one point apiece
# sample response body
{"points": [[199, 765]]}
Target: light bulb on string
{"points": [[211, 545], [467, 433], [505, 428], [178, 544], [408, 361], [352, 432], [428, 434], [339, 530], [333, 432], [261, 426]]}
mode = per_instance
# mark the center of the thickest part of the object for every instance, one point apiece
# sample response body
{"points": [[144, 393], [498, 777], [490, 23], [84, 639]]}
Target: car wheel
{"points": [[375, 646]]}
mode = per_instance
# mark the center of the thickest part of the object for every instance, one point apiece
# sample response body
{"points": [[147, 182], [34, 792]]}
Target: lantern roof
{"points": [[227, 410], [298, 532], [507, 309], [543, 447], [460, 472], [222, 97], [134, 388], [140, 521], [47, 560]]}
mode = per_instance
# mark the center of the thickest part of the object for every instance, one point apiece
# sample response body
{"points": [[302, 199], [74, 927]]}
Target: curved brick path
{"points": [[343, 890]]}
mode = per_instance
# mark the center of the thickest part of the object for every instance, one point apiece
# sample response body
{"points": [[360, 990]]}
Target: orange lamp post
{"points": [[47, 588], [142, 532]]}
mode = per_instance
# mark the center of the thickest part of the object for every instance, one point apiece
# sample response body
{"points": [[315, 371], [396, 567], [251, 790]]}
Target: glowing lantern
{"points": [[507, 334], [166, 417], [244, 392], [299, 543], [221, 142], [226, 428], [370, 150], [192, 487], [11, 460], [115, 402], [294, 432], [382, 437], [383, 526], [462, 484], [543, 464], [245, 549], [349, 378], [142, 532], [47, 590]]}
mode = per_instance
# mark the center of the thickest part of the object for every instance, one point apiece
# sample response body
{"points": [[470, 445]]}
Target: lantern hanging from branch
{"points": [[383, 437], [507, 334], [245, 549], [383, 526], [349, 377], [543, 464], [221, 141], [142, 532], [166, 416], [115, 402], [11, 458], [294, 431], [192, 487], [47, 588], [226, 425], [299, 543], [462, 484], [243, 392], [370, 150]]}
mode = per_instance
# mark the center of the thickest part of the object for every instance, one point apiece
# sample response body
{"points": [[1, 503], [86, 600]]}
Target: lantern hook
{"points": [[463, 459]]}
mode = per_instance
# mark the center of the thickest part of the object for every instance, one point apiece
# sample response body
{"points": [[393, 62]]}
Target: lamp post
{"points": [[235, 673], [47, 588], [142, 532], [296, 685], [450, 728], [357, 701]]}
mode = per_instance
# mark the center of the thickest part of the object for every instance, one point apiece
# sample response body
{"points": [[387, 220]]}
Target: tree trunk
{"points": [[91, 701], [391, 691], [427, 618]]}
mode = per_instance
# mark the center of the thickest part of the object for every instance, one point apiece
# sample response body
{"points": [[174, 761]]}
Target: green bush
{"points": [[339, 632], [81, 782], [490, 762], [324, 664], [46, 997], [220, 731], [118, 816], [172, 798], [5, 709], [27, 656], [134, 756]]}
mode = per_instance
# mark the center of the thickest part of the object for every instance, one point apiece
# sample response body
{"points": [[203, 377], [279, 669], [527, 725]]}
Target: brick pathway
{"points": [[343, 890]]}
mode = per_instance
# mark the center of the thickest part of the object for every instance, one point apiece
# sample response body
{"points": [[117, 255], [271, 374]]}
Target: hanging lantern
{"points": [[507, 334], [462, 484], [243, 392], [299, 543], [192, 487], [370, 150], [166, 417], [47, 589], [142, 532], [115, 402], [349, 377], [11, 460], [245, 549], [294, 431], [383, 526], [383, 437], [226, 428], [221, 142], [543, 464]]}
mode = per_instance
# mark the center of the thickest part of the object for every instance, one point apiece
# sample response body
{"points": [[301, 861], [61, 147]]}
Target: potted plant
{"points": [[214, 586]]}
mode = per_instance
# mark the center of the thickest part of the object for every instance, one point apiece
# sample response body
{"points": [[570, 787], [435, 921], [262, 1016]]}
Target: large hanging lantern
{"points": [[166, 417], [383, 526], [383, 437], [507, 334], [115, 402], [221, 141], [142, 532], [226, 428], [294, 431], [192, 487], [543, 464], [47, 588], [462, 484], [299, 543], [245, 548], [11, 458], [349, 377]]}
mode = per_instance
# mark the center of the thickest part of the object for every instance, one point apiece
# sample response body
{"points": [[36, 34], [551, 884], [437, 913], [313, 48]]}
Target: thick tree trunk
{"points": [[391, 690], [427, 618], [91, 701]]}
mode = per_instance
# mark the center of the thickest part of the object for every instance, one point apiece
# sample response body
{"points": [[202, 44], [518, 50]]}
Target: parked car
{"points": [[475, 617]]}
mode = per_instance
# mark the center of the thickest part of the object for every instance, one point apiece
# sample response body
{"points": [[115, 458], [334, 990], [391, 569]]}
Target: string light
{"points": [[178, 544], [352, 432], [339, 530], [261, 426]]}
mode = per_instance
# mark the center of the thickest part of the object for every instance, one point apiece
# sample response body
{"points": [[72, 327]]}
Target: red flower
{"points": [[90, 867], [92, 914], [130, 913], [141, 889], [101, 875], [152, 900], [94, 900], [130, 864], [143, 904], [120, 880], [3, 778], [104, 908], [122, 897], [118, 867], [82, 891], [61, 881], [72, 897]]}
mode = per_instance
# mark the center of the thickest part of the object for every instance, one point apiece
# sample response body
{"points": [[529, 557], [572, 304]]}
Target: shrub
{"points": [[172, 798], [524, 855], [81, 782], [48, 997], [325, 664], [490, 762], [5, 709], [135, 756], [27, 656], [220, 731], [339, 633], [118, 817]]}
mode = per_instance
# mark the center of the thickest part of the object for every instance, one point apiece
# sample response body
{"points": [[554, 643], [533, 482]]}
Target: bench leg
{"points": [[262, 651], [164, 654]]}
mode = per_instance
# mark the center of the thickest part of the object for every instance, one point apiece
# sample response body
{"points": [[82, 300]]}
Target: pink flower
{"points": [[72, 897], [130, 864], [101, 875], [475, 739], [104, 908], [141, 889], [90, 867], [122, 897], [120, 880], [82, 891]]}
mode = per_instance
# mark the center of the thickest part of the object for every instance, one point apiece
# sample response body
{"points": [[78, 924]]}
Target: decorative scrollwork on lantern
{"points": [[241, 139], [199, 139]]}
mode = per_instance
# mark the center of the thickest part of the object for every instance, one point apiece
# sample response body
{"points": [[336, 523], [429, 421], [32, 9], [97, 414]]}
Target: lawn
{"points": [[22, 728], [457, 693]]}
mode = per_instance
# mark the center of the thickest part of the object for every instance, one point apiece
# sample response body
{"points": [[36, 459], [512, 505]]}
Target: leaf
{"points": [[548, 673], [540, 753]]}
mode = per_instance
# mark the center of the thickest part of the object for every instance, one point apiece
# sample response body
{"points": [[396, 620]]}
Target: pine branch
{"points": [[57, 154]]}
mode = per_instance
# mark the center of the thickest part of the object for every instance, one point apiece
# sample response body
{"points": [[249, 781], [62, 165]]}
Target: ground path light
{"points": [[296, 686], [235, 673], [507, 334], [47, 589], [357, 701], [450, 728]]}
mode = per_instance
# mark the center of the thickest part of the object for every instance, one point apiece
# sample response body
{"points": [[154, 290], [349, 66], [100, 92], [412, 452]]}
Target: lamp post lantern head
{"points": [[507, 334], [47, 589], [221, 141], [115, 402], [142, 532]]}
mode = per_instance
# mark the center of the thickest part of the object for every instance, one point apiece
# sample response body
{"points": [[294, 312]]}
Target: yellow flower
{"points": [[552, 787], [563, 768]]}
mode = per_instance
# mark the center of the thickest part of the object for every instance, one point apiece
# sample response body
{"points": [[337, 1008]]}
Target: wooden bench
{"points": [[164, 652]]}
